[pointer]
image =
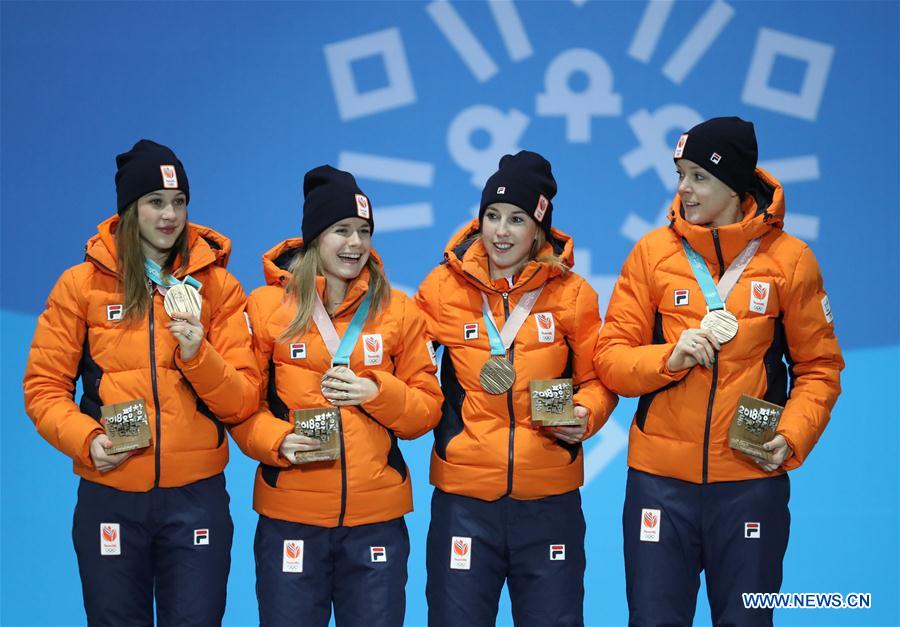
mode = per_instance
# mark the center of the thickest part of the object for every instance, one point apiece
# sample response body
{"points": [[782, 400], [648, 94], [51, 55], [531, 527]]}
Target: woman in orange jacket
{"points": [[506, 505], [339, 344], [154, 325], [704, 312]]}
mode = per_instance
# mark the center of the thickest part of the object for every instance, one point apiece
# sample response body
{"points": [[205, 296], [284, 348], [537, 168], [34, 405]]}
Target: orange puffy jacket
{"points": [[370, 483], [485, 445], [79, 334], [681, 425]]}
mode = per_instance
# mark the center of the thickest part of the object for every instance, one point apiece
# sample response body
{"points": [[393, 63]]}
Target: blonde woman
{"points": [[332, 335]]}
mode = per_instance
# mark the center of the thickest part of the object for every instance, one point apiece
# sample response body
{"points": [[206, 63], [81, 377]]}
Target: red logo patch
{"points": [[460, 547], [292, 550], [650, 519], [109, 534], [372, 343]]}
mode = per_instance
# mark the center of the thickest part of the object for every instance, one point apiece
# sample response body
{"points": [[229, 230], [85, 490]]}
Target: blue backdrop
{"points": [[419, 99]]}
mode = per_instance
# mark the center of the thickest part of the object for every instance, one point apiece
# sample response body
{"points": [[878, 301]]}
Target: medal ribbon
{"points": [[155, 274], [502, 340], [716, 295], [340, 348]]}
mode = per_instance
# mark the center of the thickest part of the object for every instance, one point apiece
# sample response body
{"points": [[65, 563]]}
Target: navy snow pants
{"points": [[173, 544], [536, 547], [302, 570], [735, 531]]}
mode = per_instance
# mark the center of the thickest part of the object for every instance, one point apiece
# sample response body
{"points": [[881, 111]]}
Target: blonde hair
{"points": [[130, 262], [551, 260], [301, 289]]}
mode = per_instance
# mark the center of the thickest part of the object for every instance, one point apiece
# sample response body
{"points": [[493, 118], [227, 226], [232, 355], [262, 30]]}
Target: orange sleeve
{"points": [[49, 383], [428, 301], [815, 359], [409, 399], [224, 373], [592, 395], [627, 361], [261, 435]]}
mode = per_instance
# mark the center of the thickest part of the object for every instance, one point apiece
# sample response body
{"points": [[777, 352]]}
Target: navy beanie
{"points": [[526, 181], [330, 195], [724, 147], [146, 168]]}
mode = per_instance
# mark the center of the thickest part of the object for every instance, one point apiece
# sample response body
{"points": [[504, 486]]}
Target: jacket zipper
{"points": [[153, 383], [343, 447], [715, 374], [509, 405], [343, 478], [509, 394], [715, 235]]}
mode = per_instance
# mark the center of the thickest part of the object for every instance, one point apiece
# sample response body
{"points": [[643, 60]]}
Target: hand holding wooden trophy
{"points": [[126, 425], [320, 423], [552, 404]]}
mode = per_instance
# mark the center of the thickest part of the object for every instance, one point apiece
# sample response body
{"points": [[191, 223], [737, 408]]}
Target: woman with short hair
{"points": [[704, 313]]}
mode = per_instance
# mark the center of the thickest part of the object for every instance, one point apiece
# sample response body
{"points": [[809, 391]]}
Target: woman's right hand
{"points": [[105, 461], [294, 443], [695, 346]]}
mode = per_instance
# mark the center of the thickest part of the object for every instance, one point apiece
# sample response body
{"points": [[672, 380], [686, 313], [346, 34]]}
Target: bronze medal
{"points": [[183, 298], [497, 375], [722, 323]]}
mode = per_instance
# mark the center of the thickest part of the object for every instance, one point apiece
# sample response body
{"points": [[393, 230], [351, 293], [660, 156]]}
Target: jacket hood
{"points": [[763, 214], [277, 262], [466, 255], [208, 247]]}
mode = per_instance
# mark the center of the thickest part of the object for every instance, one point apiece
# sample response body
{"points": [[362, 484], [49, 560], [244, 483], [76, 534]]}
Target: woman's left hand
{"points": [[573, 434], [188, 330], [341, 386], [777, 449]]}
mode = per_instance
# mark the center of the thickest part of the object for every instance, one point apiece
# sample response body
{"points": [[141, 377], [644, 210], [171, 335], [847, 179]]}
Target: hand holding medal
{"points": [[695, 346], [184, 304], [699, 346], [341, 386]]}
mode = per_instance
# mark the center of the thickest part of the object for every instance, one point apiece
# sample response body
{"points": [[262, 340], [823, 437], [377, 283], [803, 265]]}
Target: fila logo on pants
{"points": [[752, 529], [557, 552], [378, 553]]}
